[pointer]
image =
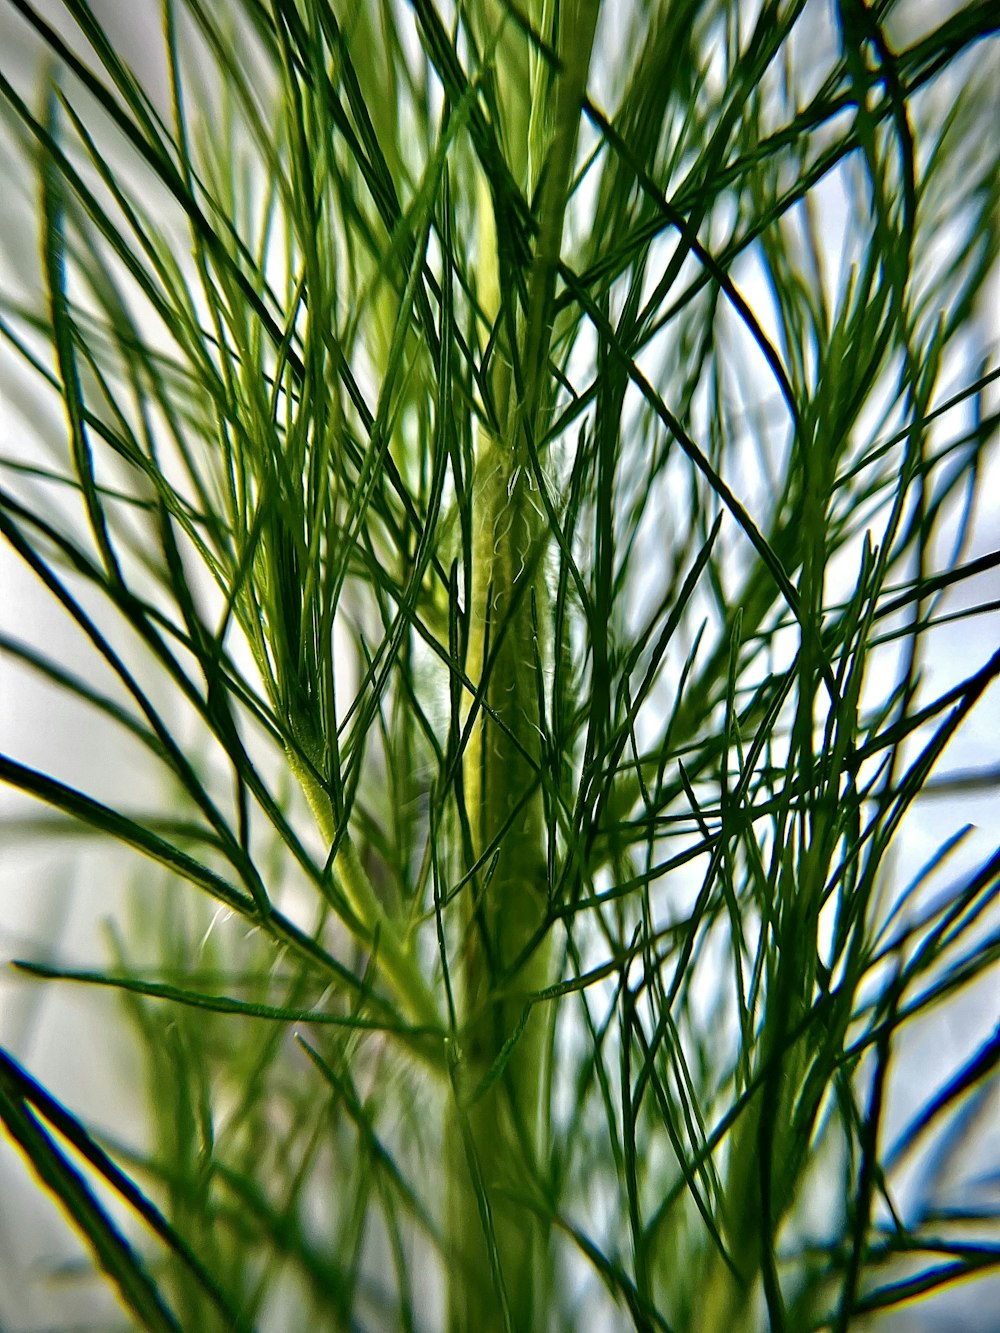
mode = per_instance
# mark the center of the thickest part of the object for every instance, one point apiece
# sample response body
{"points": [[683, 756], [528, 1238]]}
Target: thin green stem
{"points": [[373, 925]]}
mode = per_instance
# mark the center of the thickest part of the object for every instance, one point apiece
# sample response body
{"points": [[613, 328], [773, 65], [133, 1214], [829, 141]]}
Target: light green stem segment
{"points": [[396, 963], [727, 1296], [496, 1146], [502, 1127], [730, 1289]]}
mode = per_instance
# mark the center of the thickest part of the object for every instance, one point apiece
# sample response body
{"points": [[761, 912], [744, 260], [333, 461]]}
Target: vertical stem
{"points": [[495, 1137], [509, 903], [496, 1142]]}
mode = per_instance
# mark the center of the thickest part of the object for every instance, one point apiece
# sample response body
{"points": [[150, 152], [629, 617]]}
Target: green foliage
{"points": [[519, 468]]}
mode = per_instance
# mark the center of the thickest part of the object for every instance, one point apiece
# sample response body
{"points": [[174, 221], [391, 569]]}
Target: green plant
{"points": [[518, 462]]}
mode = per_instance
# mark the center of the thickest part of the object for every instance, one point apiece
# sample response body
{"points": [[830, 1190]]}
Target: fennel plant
{"points": [[521, 469]]}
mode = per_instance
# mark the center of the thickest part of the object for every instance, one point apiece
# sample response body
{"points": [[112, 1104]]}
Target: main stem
{"points": [[498, 1131], [497, 1136]]}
